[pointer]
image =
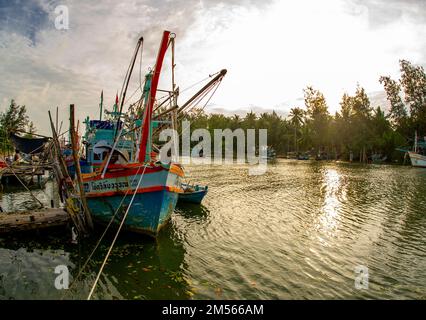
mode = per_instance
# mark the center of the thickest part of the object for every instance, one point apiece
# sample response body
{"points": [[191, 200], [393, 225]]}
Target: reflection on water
{"points": [[334, 193], [297, 232]]}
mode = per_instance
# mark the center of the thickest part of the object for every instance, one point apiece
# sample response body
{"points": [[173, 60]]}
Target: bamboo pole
{"points": [[78, 169], [57, 111], [62, 164], [62, 173]]}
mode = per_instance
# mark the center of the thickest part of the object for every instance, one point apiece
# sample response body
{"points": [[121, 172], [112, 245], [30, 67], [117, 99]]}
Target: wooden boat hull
{"points": [[193, 197], [149, 212], [153, 204], [192, 193], [417, 160]]}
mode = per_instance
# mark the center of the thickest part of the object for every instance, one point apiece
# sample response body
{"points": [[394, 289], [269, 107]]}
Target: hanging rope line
{"points": [[23, 184], [130, 68], [201, 109], [116, 236], [102, 236], [191, 86]]}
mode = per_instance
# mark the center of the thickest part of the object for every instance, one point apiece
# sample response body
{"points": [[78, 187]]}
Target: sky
{"points": [[271, 49]]}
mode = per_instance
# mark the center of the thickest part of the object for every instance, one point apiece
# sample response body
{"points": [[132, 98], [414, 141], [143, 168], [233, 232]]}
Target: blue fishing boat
{"points": [[126, 181], [123, 180], [192, 193], [270, 155]]}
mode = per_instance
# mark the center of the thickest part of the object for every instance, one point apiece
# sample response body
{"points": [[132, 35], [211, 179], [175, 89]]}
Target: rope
{"points": [[42, 205], [199, 112], [191, 86], [102, 236], [116, 236]]}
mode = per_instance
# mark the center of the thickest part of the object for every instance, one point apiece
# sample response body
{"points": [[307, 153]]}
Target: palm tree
{"points": [[296, 119], [250, 120], [235, 121]]}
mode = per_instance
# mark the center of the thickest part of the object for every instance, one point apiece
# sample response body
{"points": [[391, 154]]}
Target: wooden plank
{"points": [[22, 170], [21, 221]]}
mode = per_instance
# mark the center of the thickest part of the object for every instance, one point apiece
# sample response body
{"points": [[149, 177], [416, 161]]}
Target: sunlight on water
{"points": [[297, 232], [332, 187]]}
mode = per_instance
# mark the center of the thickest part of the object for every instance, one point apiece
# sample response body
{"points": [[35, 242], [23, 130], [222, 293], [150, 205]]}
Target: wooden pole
{"points": [[62, 173], [62, 164], [57, 111], [78, 169]]}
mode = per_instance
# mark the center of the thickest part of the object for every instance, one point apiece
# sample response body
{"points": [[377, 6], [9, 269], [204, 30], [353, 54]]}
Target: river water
{"points": [[303, 230]]}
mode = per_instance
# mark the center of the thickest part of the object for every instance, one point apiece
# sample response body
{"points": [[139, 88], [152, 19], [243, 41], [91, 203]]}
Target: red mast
{"points": [[146, 125]]}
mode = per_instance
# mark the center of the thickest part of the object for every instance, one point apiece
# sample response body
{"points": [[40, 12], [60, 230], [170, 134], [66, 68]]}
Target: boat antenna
{"points": [[101, 105], [127, 80]]}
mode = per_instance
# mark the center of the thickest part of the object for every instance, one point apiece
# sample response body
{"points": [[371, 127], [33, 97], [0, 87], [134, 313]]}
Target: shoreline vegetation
{"points": [[358, 132]]}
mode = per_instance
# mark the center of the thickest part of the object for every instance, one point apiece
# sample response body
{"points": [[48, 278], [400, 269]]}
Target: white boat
{"points": [[418, 155], [417, 160]]}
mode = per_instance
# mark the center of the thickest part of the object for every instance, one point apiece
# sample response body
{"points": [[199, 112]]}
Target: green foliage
{"points": [[317, 118], [358, 128], [276, 126], [397, 112], [407, 98], [13, 119]]}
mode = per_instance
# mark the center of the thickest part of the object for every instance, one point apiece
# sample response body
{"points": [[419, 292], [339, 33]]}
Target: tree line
{"points": [[358, 131]]}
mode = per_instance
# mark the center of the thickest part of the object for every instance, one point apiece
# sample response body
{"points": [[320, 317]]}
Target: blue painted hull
{"points": [[84, 167], [148, 214], [193, 197]]}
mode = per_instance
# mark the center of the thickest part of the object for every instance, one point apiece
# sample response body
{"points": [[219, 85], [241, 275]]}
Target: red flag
{"points": [[116, 103]]}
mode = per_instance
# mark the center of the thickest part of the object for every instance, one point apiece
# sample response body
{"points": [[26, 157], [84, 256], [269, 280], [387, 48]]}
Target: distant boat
{"points": [[303, 156], [418, 155], [321, 156], [378, 158], [192, 193], [292, 155], [417, 160], [271, 155]]}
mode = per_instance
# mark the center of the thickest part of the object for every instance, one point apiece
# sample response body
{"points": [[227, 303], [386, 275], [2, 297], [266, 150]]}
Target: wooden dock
{"points": [[22, 170], [23, 221], [24, 173]]}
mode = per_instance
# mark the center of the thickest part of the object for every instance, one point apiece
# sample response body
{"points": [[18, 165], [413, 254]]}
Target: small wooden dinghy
{"points": [[192, 193]]}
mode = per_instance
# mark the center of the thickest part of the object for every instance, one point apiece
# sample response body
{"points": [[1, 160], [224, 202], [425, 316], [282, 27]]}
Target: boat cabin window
{"points": [[100, 156]]}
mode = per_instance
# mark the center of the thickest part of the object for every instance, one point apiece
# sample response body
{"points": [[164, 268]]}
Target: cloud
{"points": [[44, 67], [385, 12], [22, 17], [272, 49]]}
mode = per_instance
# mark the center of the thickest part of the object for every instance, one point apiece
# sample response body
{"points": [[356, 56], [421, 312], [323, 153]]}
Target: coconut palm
{"points": [[296, 119]]}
